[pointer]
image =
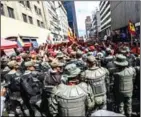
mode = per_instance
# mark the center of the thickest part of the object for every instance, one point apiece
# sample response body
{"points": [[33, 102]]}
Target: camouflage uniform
{"points": [[123, 85], [71, 100], [32, 84], [96, 77], [15, 102], [51, 80]]}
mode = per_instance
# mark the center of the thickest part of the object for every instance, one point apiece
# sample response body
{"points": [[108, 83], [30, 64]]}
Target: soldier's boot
{"points": [[128, 106], [121, 108]]}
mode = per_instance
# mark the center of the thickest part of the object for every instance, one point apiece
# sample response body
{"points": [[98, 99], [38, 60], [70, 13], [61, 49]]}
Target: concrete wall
{"points": [[12, 27], [123, 11]]}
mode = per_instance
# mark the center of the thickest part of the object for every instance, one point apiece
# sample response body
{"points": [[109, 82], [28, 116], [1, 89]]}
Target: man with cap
{"points": [[52, 78], [60, 57], [13, 84], [79, 62], [32, 85], [73, 98], [44, 65], [130, 57], [96, 77], [123, 84], [25, 57]]}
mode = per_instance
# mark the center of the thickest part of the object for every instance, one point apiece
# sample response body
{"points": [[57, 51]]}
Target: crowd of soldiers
{"points": [[71, 81]]}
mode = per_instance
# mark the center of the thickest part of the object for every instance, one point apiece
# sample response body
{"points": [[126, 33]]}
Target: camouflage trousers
{"points": [[15, 107], [101, 102], [125, 105]]}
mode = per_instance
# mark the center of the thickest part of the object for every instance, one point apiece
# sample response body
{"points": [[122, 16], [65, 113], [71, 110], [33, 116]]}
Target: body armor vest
{"points": [[124, 80], [96, 78], [71, 99]]}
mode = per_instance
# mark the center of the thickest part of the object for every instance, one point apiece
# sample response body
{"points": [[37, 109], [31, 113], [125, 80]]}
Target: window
{"points": [[28, 4], [22, 2], [24, 17], [30, 20], [38, 23], [2, 9], [36, 9], [42, 24], [11, 12], [39, 11]]}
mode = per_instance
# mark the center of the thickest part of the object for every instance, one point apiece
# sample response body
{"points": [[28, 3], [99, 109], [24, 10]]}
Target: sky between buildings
{"points": [[83, 9]]}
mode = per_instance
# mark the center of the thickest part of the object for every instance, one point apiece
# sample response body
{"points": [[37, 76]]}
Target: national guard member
{"points": [[79, 62], [13, 84], [52, 79], [32, 84], [96, 76], [73, 98], [123, 85], [60, 57]]}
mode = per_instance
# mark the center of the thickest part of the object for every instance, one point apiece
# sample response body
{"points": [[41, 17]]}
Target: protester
{"points": [[73, 79]]}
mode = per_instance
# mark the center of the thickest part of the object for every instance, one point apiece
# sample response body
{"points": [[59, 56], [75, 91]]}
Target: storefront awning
{"points": [[6, 44]]}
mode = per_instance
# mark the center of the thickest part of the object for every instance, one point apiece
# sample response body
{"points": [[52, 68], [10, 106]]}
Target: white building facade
{"points": [[24, 19], [105, 17], [62, 15]]}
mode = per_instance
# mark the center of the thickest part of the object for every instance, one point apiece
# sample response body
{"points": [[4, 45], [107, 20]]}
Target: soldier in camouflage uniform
{"points": [[13, 84], [31, 87], [79, 61], [130, 57], [123, 85], [73, 98], [44, 65], [52, 78], [96, 77], [60, 57]]}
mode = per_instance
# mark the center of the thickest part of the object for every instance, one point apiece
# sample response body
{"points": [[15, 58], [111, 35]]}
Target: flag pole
{"points": [[131, 40]]}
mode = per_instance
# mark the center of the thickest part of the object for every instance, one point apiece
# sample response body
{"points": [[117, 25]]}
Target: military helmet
{"points": [[125, 50], [24, 55], [60, 55], [79, 53], [56, 63], [29, 64], [121, 60], [91, 59], [71, 71], [12, 63]]}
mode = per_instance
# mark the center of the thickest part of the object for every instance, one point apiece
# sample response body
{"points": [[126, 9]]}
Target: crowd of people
{"points": [[71, 80]]}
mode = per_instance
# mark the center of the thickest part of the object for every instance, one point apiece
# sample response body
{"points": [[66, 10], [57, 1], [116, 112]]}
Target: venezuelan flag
{"points": [[20, 42], [131, 28]]}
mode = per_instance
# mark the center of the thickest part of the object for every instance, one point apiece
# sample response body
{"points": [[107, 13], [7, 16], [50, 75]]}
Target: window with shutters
{"points": [[11, 12], [2, 9], [30, 20], [24, 17]]}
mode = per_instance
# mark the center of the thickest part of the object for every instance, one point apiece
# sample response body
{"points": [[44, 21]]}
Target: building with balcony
{"points": [[24, 20], [71, 14], [105, 18]]}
